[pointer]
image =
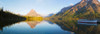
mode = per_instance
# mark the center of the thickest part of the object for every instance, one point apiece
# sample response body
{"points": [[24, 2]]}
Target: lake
{"points": [[34, 27], [48, 27]]}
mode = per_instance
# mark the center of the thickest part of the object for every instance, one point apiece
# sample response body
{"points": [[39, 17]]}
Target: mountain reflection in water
{"points": [[48, 27], [33, 27], [32, 24], [79, 28]]}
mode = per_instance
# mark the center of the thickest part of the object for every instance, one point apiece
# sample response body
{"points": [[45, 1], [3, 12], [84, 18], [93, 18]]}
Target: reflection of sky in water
{"points": [[42, 28]]}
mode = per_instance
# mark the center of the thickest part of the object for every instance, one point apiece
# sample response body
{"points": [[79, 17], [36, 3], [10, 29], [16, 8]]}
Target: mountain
{"points": [[85, 9], [64, 10], [33, 13], [50, 15]]}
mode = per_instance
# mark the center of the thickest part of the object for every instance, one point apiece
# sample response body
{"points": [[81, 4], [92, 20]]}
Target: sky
{"points": [[42, 7]]}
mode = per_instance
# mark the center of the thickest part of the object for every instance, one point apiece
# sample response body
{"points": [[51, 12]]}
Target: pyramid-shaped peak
{"points": [[32, 10], [33, 13]]}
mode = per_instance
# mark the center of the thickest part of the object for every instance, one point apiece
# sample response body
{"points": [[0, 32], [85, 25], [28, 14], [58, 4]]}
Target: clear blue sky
{"points": [[43, 7]]}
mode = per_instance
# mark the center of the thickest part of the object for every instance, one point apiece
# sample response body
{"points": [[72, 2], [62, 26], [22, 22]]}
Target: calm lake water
{"points": [[34, 27], [47, 27]]}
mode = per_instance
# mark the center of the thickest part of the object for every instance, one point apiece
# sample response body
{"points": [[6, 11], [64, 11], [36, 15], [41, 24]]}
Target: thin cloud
{"points": [[71, 4]]}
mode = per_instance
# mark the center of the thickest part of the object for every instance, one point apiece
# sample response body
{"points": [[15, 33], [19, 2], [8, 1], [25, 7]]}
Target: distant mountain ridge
{"points": [[33, 13], [50, 15], [64, 10]]}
